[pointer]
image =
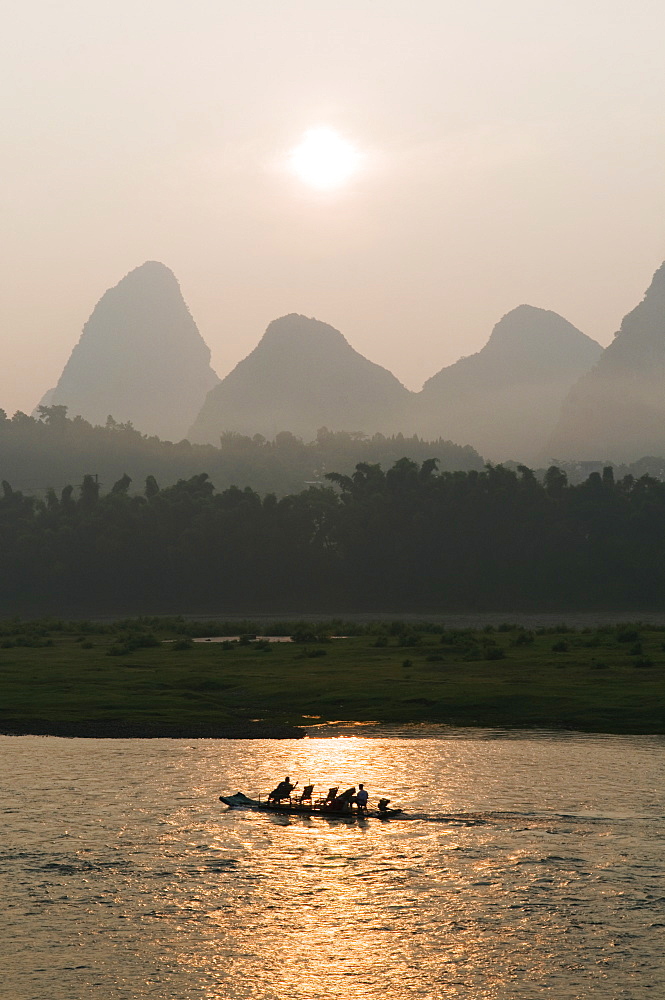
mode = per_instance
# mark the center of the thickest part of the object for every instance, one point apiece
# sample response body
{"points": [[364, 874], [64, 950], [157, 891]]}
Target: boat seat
{"points": [[326, 800], [306, 794]]}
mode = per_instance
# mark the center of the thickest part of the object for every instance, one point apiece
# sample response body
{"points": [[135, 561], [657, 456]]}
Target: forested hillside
{"points": [[410, 538], [52, 450]]}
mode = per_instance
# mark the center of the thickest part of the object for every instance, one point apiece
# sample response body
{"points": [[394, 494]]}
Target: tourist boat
{"points": [[296, 805]]}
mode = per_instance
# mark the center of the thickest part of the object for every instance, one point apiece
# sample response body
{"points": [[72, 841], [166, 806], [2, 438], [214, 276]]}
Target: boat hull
{"points": [[241, 801]]}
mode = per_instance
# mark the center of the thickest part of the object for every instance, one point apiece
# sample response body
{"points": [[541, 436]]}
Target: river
{"points": [[528, 865]]}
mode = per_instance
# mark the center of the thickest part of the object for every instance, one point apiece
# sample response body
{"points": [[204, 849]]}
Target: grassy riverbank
{"points": [[149, 678]]}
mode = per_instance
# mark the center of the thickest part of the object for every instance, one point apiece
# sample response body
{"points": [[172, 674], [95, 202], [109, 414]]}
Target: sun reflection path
{"points": [[506, 909], [123, 878], [351, 917], [343, 910], [329, 762]]}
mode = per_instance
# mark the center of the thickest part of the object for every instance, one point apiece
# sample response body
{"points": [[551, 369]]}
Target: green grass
{"points": [[594, 680]]}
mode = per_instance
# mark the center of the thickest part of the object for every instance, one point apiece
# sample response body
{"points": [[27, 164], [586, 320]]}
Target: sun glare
{"points": [[324, 160]]}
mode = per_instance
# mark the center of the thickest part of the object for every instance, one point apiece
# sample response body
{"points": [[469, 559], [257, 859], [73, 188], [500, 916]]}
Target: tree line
{"points": [[409, 538], [52, 449]]}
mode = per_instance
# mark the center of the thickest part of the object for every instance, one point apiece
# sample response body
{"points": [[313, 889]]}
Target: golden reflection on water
{"points": [[331, 762], [525, 869], [366, 908]]}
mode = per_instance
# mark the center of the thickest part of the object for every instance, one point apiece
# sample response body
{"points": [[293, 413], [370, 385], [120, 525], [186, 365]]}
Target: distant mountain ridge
{"points": [[617, 410], [503, 401], [538, 390], [303, 375], [140, 358]]}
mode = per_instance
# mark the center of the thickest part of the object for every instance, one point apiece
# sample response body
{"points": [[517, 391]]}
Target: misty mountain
{"points": [[303, 375], [617, 410], [140, 358], [505, 399]]}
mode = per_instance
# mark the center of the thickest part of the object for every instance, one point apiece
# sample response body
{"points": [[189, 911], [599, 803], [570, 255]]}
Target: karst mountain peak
{"points": [[302, 375], [616, 412], [504, 399], [140, 358]]}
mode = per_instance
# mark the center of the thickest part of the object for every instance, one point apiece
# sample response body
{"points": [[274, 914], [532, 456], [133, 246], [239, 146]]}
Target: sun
{"points": [[324, 160]]}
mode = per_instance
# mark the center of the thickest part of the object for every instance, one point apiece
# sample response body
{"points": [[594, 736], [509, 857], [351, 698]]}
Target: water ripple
{"points": [[523, 867]]}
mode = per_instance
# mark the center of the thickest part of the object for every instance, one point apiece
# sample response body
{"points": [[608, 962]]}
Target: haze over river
{"points": [[528, 866]]}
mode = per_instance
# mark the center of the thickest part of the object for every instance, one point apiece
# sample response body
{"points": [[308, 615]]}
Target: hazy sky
{"points": [[512, 153]]}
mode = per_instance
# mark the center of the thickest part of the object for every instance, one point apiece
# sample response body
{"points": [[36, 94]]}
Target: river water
{"points": [[528, 866]]}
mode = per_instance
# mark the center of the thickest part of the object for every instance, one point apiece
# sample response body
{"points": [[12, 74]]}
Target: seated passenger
{"points": [[342, 802], [361, 799], [282, 791]]}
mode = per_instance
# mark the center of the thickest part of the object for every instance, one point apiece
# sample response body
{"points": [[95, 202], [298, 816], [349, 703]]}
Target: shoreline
{"points": [[119, 730], [152, 679], [418, 729], [449, 617]]}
